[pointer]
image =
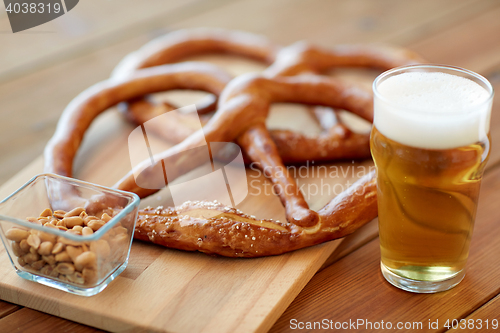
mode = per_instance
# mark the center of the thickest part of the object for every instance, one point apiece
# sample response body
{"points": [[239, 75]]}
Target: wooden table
{"points": [[42, 69]]}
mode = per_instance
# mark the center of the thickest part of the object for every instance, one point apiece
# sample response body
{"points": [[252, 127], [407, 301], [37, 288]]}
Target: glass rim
{"points": [[78, 238], [398, 70]]}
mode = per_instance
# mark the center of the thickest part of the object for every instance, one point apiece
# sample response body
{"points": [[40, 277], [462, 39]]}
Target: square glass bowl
{"points": [[78, 252]]}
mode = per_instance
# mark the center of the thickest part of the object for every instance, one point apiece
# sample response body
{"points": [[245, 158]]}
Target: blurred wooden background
{"points": [[43, 68]]}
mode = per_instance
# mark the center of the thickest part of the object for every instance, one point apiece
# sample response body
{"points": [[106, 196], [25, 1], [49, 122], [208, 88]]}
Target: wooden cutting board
{"points": [[165, 290]]}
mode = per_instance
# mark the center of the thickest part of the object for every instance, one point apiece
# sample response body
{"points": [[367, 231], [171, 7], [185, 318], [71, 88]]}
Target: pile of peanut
{"points": [[64, 259]]}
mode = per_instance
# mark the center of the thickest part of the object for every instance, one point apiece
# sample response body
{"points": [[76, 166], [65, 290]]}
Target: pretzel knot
{"points": [[240, 117]]}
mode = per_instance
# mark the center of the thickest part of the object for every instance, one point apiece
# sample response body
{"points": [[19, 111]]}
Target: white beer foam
{"points": [[432, 110]]}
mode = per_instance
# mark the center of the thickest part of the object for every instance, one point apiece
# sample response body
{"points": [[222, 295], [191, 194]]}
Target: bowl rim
{"points": [[78, 238]]}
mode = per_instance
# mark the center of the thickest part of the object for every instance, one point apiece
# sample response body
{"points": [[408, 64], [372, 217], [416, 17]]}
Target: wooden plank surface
{"points": [[92, 25], [28, 320], [463, 33], [7, 308]]}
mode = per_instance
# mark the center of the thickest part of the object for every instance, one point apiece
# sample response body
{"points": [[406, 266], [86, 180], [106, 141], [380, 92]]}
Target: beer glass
{"points": [[430, 142]]}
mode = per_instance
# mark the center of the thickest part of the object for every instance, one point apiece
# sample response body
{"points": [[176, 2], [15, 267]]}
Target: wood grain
{"points": [[338, 22], [488, 311], [89, 27], [7, 308], [28, 320]]}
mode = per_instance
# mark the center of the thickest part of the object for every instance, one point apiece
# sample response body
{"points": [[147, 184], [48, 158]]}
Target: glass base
{"points": [[421, 287], [72, 288]]}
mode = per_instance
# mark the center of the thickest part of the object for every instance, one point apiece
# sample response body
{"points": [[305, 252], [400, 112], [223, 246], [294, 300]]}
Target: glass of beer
{"points": [[430, 143]]}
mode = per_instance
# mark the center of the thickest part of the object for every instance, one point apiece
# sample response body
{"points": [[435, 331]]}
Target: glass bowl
{"points": [[63, 233]]}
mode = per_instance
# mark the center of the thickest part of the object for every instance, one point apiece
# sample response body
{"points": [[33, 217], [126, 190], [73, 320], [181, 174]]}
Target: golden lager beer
{"points": [[430, 144]]}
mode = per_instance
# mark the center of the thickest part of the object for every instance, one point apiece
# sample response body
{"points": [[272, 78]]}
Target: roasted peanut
{"points": [[45, 248], [75, 212], [57, 248], [31, 219], [86, 231], [83, 215], [95, 224], [37, 265], [90, 275], [86, 260], [78, 229], [51, 225], [67, 241], [119, 240], [50, 259], [21, 261], [73, 221], [62, 277], [121, 230], [65, 268], [46, 237], [42, 220], [30, 258], [46, 270], [59, 214], [16, 234], [49, 270], [46, 212], [24, 246], [63, 257], [105, 217], [34, 241], [74, 232], [76, 277], [73, 252], [16, 249], [100, 247], [88, 219]]}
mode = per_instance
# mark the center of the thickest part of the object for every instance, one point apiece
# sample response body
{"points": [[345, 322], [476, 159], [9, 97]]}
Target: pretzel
{"points": [[244, 106], [336, 141], [81, 111]]}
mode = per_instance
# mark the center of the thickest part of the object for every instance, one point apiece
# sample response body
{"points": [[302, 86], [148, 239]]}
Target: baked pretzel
{"points": [[336, 141], [244, 105], [178, 45], [81, 111]]}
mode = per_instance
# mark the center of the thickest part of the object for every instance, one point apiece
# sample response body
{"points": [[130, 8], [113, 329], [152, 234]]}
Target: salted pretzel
{"points": [[243, 108], [336, 141]]}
